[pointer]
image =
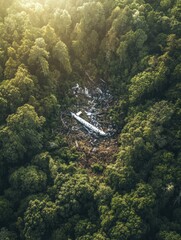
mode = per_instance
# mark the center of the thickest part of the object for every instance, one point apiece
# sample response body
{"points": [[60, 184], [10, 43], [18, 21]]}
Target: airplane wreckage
{"points": [[88, 125], [92, 102]]}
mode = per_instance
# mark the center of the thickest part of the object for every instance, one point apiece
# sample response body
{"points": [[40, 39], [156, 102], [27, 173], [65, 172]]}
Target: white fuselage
{"points": [[88, 125]]}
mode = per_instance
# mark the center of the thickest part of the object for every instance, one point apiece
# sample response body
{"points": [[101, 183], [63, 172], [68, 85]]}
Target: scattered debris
{"points": [[94, 105], [63, 122], [76, 144]]}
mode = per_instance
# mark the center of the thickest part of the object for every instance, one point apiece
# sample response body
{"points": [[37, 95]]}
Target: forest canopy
{"points": [[47, 192]]}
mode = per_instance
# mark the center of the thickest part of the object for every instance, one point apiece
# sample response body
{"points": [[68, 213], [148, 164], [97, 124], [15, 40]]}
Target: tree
{"points": [[24, 82], [60, 53], [165, 177], [15, 25], [28, 180], [7, 235], [103, 195], [11, 147], [121, 220], [93, 16], [39, 56], [50, 37], [12, 97], [26, 124], [144, 133], [165, 235], [3, 108], [6, 211], [145, 83], [38, 219], [11, 67], [49, 106], [142, 199], [88, 30], [61, 22], [84, 228], [22, 135], [75, 196], [165, 4], [120, 178], [42, 161]]}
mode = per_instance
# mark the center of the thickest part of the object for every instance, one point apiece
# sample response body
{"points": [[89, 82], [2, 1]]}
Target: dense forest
{"points": [[48, 46]]}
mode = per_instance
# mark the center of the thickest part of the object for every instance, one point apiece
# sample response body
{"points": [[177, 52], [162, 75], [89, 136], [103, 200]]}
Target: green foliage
{"points": [[42, 161], [23, 82], [27, 124], [145, 83], [10, 98], [60, 53], [75, 195], [84, 228], [49, 105], [121, 221], [28, 180], [39, 217], [165, 176], [118, 113], [7, 235], [169, 235], [144, 134], [120, 178], [47, 192], [38, 56], [61, 22], [97, 168], [12, 148], [143, 199], [5, 211], [22, 133], [103, 195]]}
